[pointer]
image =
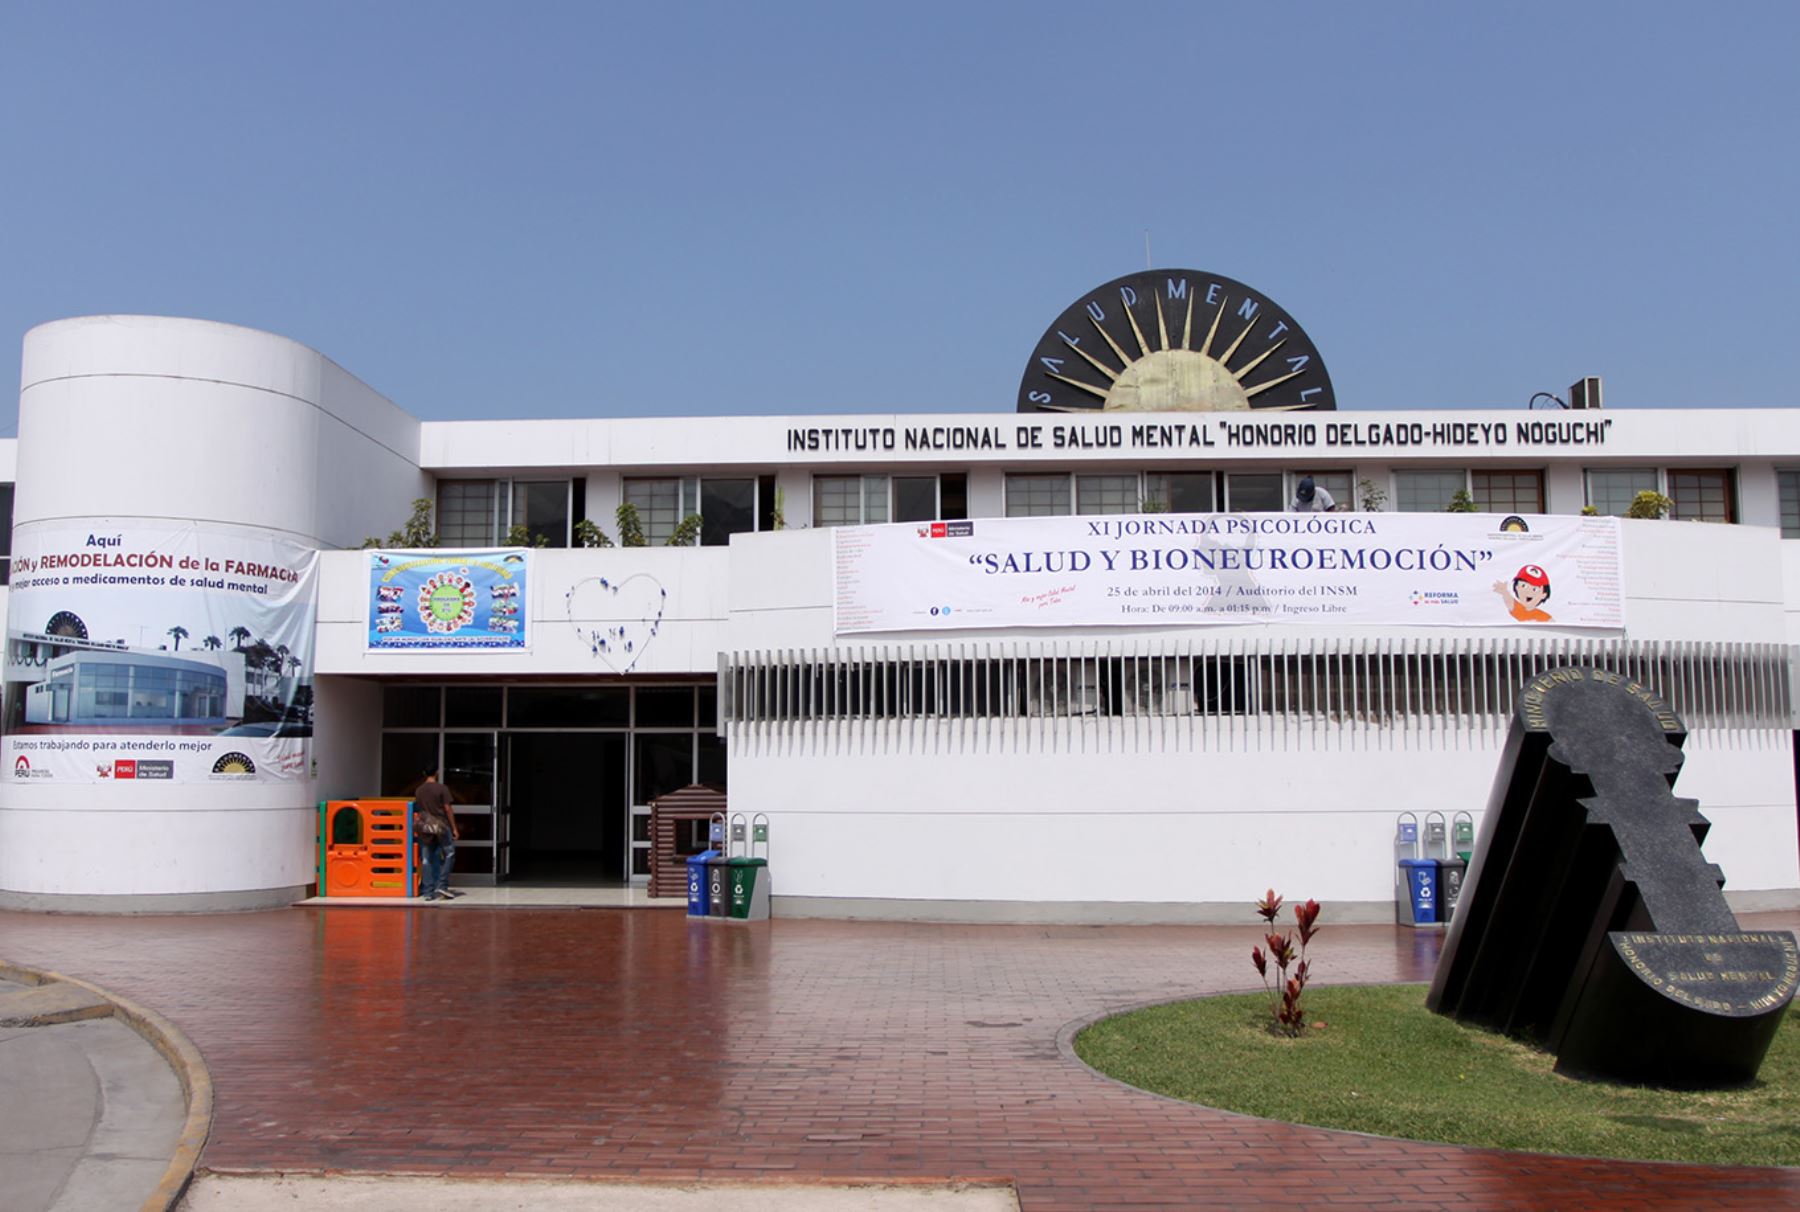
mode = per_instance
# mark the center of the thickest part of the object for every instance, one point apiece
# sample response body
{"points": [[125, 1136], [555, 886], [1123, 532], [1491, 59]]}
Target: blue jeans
{"points": [[439, 855]]}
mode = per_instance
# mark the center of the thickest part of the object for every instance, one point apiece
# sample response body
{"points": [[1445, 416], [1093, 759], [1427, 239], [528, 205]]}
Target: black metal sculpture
{"points": [[1590, 922]]}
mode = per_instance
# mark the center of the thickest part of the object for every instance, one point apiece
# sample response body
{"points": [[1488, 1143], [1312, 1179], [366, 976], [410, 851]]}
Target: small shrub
{"points": [[519, 535], [1461, 502], [1287, 1015], [1649, 504], [1372, 496], [415, 533]]}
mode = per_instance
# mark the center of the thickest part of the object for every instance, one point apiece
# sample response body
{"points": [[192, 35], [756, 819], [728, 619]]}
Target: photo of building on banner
{"points": [[1452, 570], [158, 652], [440, 601]]}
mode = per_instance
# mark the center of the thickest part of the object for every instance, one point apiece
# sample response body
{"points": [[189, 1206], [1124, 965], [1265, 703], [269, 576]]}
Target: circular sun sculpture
{"points": [[66, 624], [1174, 340]]}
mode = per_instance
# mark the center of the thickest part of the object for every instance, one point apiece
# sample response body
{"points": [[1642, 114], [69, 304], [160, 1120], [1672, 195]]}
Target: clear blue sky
{"points": [[593, 210]]}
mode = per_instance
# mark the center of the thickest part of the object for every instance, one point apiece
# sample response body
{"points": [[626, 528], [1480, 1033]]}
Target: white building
{"points": [[1037, 773]]}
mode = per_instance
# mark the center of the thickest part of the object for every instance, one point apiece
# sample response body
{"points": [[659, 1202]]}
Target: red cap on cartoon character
{"points": [[1533, 575]]}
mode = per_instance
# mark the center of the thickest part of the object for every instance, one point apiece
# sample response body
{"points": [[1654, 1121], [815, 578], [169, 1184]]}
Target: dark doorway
{"points": [[566, 807]]}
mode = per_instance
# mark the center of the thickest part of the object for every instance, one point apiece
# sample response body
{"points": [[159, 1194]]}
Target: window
{"points": [[1611, 490], [1702, 494], [849, 500], [542, 508], [1427, 491], [466, 513], [1254, 492], [661, 505], [727, 507], [853, 500], [1178, 492], [953, 496], [1787, 484], [1335, 483], [915, 498], [478, 513], [1037, 496], [1106, 493], [1507, 491]]}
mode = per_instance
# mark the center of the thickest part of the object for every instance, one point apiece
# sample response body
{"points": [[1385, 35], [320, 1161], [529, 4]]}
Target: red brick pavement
{"points": [[629, 1044]]}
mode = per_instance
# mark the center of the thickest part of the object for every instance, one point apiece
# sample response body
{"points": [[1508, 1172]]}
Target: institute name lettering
{"points": [[1212, 433]]}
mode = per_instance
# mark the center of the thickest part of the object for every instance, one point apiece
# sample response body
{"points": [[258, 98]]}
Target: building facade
{"points": [[1120, 769]]}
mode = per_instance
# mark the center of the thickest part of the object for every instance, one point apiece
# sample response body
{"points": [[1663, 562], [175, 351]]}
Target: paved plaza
{"points": [[633, 1045]]}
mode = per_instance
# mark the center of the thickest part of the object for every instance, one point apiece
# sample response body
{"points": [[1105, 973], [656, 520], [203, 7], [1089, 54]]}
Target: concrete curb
{"points": [[181, 1055]]}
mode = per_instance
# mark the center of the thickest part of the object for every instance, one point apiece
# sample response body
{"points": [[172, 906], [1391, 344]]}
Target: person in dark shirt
{"points": [[434, 824]]}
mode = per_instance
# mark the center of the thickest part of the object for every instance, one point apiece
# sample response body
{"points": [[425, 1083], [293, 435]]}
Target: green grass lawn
{"points": [[1384, 1064]]}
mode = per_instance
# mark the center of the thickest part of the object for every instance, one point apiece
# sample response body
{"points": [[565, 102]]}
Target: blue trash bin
{"points": [[1421, 891], [696, 877]]}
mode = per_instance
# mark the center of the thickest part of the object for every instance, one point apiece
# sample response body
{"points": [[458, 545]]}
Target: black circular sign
{"points": [[1175, 340], [63, 623]]}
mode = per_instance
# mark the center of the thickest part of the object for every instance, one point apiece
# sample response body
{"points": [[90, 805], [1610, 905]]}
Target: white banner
{"points": [[158, 652], [1146, 570]]}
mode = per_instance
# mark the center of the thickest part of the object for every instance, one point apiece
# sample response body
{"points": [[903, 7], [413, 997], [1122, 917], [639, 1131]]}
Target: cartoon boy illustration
{"points": [[1530, 590]]}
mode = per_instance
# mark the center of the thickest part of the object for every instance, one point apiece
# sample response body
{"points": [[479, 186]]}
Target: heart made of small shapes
{"points": [[617, 619]]}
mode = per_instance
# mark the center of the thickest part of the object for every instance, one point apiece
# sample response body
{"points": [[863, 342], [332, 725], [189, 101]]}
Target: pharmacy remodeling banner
{"points": [[448, 601], [1445, 569], [172, 651]]}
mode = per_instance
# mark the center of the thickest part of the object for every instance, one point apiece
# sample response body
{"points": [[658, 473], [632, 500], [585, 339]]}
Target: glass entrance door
{"points": [[471, 773], [563, 817]]}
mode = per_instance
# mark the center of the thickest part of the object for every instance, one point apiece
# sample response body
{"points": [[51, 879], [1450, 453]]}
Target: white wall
{"points": [[1148, 811], [1082, 813], [134, 417], [689, 639]]}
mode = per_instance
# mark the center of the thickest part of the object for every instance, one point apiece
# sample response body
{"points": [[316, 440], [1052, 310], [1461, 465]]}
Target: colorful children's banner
{"points": [[1147, 570], [448, 600]]}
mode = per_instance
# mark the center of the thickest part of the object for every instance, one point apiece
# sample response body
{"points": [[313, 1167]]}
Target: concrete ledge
{"points": [[47, 1004], [181, 1055], [1063, 913], [153, 902], [1762, 900]]}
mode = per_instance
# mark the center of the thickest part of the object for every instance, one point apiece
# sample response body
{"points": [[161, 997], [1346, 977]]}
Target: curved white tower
{"points": [[147, 443]]}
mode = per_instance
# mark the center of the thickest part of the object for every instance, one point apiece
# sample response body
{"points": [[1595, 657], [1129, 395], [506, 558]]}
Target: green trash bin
{"points": [[748, 879]]}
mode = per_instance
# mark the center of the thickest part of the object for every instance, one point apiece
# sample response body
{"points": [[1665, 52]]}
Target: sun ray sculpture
{"points": [[1098, 356]]}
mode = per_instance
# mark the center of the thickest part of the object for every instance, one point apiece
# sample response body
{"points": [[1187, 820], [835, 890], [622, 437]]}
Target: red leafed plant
{"points": [[1285, 990]]}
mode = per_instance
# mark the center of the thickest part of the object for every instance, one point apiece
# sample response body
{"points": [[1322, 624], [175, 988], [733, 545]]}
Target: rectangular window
{"points": [[915, 498], [1106, 494], [849, 500], [568, 707], [1427, 491], [953, 496], [727, 507], [1037, 496], [1178, 492], [466, 513], [837, 500], [1610, 490], [542, 508], [661, 505], [1335, 483], [405, 706], [1507, 491], [1702, 494], [1787, 484], [1254, 492]]}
